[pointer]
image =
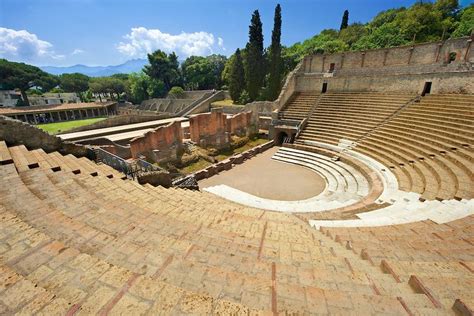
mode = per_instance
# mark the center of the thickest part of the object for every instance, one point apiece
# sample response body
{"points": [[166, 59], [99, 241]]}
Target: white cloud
{"points": [[25, 46], [220, 43], [77, 51], [141, 41]]}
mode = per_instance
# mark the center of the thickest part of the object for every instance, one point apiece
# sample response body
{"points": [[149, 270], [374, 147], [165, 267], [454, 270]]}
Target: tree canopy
{"points": [[164, 67], [22, 76], [74, 82], [422, 22], [203, 72], [108, 85]]}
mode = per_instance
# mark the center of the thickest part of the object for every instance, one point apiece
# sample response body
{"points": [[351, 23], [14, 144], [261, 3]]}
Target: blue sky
{"points": [[108, 32]]}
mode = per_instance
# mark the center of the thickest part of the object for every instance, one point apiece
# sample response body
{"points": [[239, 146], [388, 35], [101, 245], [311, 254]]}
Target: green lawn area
{"points": [[55, 128], [196, 166], [226, 102], [251, 143]]}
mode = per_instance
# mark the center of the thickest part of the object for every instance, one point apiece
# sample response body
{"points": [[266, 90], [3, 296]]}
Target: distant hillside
{"points": [[133, 65], [424, 21]]}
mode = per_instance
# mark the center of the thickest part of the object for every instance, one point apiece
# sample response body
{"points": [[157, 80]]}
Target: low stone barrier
{"points": [[15, 132], [228, 163]]}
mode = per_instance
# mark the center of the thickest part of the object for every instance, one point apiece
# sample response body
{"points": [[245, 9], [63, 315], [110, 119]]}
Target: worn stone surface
{"points": [[155, 178], [15, 132], [403, 69], [215, 128], [161, 143]]}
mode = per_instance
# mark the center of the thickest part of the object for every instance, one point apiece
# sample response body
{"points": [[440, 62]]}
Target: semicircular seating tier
{"points": [[79, 238], [346, 184], [421, 148]]}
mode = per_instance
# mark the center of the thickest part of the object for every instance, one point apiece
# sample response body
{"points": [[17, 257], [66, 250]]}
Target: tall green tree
{"points": [[274, 80], [109, 85], [22, 76], [198, 73], [164, 67], [218, 63], [345, 20], [237, 77], [74, 82], [352, 33], [466, 22], [255, 63], [139, 83]]}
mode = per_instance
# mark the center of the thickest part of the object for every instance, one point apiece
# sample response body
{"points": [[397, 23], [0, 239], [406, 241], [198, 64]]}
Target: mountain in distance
{"points": [[133, 65]]}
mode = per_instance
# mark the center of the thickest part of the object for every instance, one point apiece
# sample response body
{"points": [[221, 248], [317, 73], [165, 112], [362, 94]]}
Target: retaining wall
{"points": [[163, 142], [15, 132]]}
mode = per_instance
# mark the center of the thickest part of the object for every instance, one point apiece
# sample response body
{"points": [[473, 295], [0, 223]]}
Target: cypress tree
{"points": [[255, 64], [237, 77], [345, 20], [274, 80]]}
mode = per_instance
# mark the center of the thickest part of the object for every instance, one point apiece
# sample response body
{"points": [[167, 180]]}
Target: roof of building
{"points": [[55, 107]]}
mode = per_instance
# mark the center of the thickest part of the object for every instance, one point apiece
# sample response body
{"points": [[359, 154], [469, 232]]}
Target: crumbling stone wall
{"points": [[215, 128], [435, 53], [162, 143], [239, 123], [15, 132], [155, 178], [399, 69], [209, 129]]}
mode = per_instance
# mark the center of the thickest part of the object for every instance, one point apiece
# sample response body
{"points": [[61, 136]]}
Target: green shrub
{"points": [[176, 92], [244, 98]]}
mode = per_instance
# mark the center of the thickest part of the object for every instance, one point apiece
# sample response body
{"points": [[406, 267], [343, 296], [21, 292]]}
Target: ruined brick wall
{"points": [[209, 129], [162, 143], [214, 129], [239, 123], [399, 69]]}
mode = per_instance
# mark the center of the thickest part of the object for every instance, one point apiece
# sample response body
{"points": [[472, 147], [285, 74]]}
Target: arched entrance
{"points": [[281, 138]]}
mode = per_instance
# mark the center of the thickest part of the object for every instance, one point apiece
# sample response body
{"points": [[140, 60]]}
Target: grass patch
{"points": [[55, 128], [226, 102], [253, 142], [203, 163], [196, 166]]}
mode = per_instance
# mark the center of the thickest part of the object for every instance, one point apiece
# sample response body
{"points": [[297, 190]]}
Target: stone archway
{"points": [[281, 137]]}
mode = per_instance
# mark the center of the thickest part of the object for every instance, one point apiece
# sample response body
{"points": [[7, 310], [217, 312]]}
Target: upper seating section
{"points": [[174, 105], [428, 146], [299, 106], [350, 115]]}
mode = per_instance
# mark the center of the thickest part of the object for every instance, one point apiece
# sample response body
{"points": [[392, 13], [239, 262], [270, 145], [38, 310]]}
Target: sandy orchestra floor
{"points": [[267, 178]]}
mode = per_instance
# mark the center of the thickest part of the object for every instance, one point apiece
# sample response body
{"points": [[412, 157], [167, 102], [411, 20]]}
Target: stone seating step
{"points": [[5, 157], [351, 177]]}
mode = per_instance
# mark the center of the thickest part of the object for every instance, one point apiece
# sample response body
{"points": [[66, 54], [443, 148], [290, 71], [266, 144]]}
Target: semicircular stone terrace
{"points": [[345, 185], [415, 171]]}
